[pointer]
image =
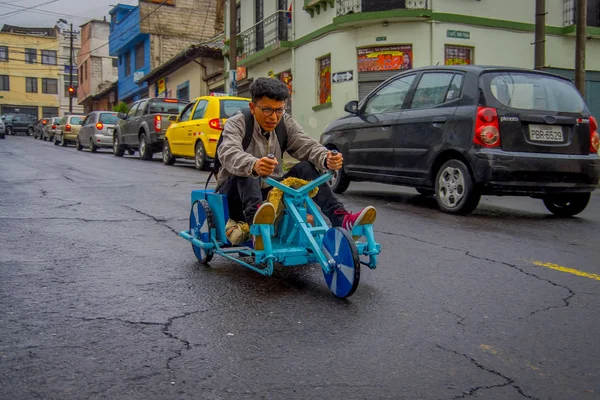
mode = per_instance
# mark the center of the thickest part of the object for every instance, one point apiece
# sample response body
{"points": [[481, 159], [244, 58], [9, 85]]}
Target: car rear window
{"points": [[165, 107], [230, 107], [76, 120], [529, 91], [109, 118]]}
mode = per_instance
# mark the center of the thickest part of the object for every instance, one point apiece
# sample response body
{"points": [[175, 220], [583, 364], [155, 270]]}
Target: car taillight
{"points": [[53, 126], [487, 129], [157, 123], [594, 138], [99, 126], [68, 128], [216, 124]]}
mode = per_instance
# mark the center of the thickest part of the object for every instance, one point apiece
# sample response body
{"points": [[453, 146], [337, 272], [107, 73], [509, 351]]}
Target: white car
{"points": [[2, 129]]}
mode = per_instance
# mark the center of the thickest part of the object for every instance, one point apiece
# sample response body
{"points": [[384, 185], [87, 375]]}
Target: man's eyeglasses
{"points": [[268, 111]]}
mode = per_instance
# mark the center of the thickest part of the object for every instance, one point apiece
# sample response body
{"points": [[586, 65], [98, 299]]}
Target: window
{"points": [[49, 57], [49, 86], [200, 110], [186, 112], [132, 111], [80, 74], [169, 107], [139, 56], [141, 109], [31, 85], [85, 71], [3, 53], [432, 90], [4, 83], [238, 21], [115, 63], [183, 91], [324, 79], [390, 97], [127, 63], [458, 55], [30, 56], [49, 112], [230, 107], [109, 118], [76, 120]]}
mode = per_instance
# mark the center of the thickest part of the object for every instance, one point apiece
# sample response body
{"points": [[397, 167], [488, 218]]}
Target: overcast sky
{"points": [[44, 13]]}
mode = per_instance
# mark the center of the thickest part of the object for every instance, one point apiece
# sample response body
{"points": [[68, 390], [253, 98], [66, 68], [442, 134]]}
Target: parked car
{"points": [[460, 132], [50, 129], [2, 129], [67, 129], [38, 132], [143, 127], [16, 123], [197, 129], [97, 130]]}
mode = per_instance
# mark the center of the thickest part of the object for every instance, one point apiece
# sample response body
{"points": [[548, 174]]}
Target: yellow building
{"points": [[29, 71]]}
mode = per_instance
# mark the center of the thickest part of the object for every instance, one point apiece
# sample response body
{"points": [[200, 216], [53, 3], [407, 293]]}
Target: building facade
{"points": [[65, 77], [339, 50], [29, 71], [146, 36], [97, 69]]}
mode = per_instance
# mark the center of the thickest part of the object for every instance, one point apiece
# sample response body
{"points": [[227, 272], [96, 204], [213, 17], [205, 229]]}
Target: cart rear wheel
{"points": [[200, 224], [340, 249]]}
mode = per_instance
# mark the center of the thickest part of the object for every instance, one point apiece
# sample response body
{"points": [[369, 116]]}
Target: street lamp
{"points": [[71, 90]]}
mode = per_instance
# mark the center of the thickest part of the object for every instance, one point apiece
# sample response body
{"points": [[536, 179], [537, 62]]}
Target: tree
{"points": [[121, 107]]}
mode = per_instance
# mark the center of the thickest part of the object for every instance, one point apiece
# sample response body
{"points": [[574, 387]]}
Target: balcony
{"points": [[344, 7], [273, 34]]}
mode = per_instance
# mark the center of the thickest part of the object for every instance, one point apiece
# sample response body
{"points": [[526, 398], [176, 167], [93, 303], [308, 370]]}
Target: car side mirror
{"points": [[173, 118], [122, 115], [351, 107]]}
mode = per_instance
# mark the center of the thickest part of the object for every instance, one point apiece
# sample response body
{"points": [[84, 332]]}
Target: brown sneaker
{"points": [[237, 232], [264, 216]]}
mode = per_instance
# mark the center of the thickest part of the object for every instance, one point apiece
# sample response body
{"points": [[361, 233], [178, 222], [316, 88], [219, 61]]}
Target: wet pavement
{"points": [[102, 300]]}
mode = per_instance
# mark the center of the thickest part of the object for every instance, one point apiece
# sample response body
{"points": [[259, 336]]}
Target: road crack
{"points": [[566, 300], [474, 390], [159, 221]]}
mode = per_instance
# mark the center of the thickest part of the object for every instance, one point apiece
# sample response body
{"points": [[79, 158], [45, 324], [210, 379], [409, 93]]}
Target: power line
{"points": [[23, 9]]}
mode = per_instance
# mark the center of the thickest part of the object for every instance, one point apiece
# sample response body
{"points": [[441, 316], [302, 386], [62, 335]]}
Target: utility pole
{"points": [[581, 22], [540, 34], [232, 47], [71, 71]]}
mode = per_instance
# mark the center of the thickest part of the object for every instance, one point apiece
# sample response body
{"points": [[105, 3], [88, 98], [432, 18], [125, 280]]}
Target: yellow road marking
{"points": [[567, 270]]}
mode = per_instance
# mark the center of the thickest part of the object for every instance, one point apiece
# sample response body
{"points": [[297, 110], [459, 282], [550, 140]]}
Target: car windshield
{"points": [[166, 107], [109, 118], [76, 120], [530, 91], [230, 107]]}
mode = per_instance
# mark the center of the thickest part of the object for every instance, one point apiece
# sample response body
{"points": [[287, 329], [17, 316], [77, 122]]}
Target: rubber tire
{"points": [[9, 130], [118, 150], [339, 183], [30, 131], [78, 145], [347, 240], [93, 146], [567, 205], [131, 152], [64, 142], [2, 135], [425, 192], [203, 204], [471, 196], [200, 164], [167, 157], [145, 154], [56, 142]]}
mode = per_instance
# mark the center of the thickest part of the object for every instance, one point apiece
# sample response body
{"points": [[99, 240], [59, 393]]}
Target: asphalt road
{"points": [[102, 300]]}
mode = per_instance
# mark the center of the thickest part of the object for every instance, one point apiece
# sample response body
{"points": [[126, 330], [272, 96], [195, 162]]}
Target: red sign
{"points": [[242, 73], [386, 58]]}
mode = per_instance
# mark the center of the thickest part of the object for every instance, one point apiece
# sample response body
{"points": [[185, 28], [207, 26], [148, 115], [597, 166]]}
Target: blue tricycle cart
{"points": [[292, 242]]}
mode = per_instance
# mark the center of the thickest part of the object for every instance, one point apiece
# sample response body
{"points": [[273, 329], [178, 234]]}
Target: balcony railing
{"points": [[344, 7], [570, 9], [273, 29]]}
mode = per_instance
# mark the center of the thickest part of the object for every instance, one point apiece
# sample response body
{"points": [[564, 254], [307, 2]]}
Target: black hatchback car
{"points": [[460, 132]]}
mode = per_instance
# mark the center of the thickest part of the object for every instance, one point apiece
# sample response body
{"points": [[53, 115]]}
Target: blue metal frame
{"points": [[296, 242]]}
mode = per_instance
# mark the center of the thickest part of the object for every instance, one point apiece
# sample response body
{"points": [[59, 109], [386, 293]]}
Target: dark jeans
{"points": [[244, 195]]}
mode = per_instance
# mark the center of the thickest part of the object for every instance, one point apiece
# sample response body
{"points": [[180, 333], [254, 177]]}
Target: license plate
{"points": [[111, 131], [545, 133]]}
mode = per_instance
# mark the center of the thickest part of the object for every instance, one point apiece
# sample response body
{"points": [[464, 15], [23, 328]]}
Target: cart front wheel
{"points": [[200, 224], [341, 252]]}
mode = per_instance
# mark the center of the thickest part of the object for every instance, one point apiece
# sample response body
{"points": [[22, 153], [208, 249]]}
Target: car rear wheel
{"points": [[93, 147], [118, 150], [56, 142], [168, 158], [30, 131], [64, 141], [2, 135], [9, 130], [455, 190], [567, 205], [145, 153], [339, 182], [78, 145], [200, 157]]}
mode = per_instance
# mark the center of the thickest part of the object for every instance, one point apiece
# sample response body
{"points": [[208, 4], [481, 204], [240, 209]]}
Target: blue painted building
{"points": [[132, 47]]}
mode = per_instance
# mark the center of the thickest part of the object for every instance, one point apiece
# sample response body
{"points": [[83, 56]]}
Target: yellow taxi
{"points": [[195, 132]]}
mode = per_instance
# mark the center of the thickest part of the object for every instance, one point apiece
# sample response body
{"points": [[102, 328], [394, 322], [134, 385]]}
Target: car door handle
{"points": [[439, 120]]}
